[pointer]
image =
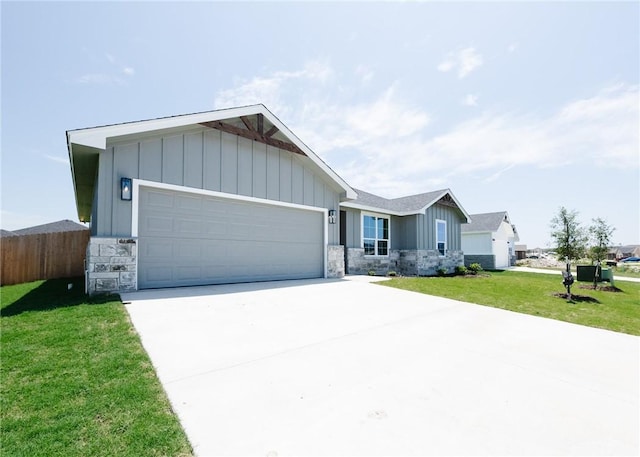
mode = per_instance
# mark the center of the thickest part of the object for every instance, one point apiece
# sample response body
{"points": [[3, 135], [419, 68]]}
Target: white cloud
{"points": [[57, 159], [364, 73], [99, 78], [384, 143], [464, 61], [111, 73], [470, 100], [267, 90], [446, 65]]}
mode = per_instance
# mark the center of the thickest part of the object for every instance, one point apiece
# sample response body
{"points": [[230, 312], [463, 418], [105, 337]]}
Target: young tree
{"points": [[569, 237], [600, 233]]}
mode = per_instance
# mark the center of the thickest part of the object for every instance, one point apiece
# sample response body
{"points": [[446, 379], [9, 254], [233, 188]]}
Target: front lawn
{"points": [[532, 293], [75, 380]]}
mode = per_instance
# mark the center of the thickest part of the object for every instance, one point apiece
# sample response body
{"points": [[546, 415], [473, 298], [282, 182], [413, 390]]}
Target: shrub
{"points": [[442, 271], [392, 273], [475, 268], [371, 272], [461, 270]]}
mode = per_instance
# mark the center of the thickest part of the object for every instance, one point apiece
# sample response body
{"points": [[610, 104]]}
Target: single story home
{"points": [[414, 235], [234, 196], [490, 241], [622, 252]]}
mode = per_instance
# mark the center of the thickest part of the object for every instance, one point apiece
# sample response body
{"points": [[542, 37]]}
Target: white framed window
{"points": [[441, 236], [375, 235]]}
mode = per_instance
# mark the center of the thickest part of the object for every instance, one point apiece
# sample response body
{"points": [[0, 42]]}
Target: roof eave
{"points": [[376, 209]]}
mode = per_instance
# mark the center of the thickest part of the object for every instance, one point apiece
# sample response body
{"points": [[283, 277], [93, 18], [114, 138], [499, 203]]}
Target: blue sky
{"points": [[523, 107]]}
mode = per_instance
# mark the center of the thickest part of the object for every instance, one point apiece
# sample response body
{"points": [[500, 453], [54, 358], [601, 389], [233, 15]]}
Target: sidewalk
{"points": [[558, 272]]}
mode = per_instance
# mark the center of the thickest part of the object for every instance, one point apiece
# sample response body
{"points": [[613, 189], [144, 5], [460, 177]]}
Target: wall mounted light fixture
{"points": [[332, 216], [125, 189]]}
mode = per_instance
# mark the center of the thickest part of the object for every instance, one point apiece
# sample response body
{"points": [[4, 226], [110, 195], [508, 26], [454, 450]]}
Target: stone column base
{"points": [[335, 261], [111, 265]]}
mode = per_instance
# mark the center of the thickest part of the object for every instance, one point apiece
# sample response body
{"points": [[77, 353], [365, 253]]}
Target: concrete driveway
{"points": [[349, 368]]}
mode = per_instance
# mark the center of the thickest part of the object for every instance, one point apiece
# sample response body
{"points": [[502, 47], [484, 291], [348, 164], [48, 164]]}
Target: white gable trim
{"points": [[96, 137]]}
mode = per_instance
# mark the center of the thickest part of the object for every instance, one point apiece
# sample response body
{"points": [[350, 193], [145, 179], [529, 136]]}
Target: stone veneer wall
{"points": [[111, 265], [335, 261], [487, 261], [409, 262]]}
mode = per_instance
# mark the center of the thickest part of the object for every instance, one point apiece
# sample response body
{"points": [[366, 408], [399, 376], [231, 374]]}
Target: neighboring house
{"points": [[490, 241], [622, 252], [6, 233], [413, 235], [521, 251], [64, 225], [215, 197]]}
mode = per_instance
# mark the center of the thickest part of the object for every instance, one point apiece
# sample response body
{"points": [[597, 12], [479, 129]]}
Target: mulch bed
{"points": [[602, 288]]}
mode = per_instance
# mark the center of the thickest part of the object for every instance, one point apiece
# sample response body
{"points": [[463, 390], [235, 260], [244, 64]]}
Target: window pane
{"points": [[382, 248], [369, 227], [441, 248], [369, 247], [383, 229], [442, 230]]}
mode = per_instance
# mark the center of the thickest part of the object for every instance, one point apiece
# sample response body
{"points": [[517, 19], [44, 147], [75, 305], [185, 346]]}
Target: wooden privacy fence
{"points": [[27, 258]]}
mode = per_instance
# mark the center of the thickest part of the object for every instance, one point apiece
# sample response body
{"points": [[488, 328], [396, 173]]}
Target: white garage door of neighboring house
{"points": [[192, 239]]}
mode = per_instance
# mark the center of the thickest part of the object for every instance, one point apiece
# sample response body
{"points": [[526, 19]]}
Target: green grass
{"points": [[532, 293], [75, 380]]}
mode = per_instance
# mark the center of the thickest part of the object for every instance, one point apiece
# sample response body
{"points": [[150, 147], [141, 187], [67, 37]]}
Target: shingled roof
{"points": [[60, 226], [403, 206], [6, 233], [486, 222]]}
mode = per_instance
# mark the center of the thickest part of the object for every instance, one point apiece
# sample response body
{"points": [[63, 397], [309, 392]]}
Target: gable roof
{"points": [[53, 227], [486, 222], [255, 122], [6, 233], [404, 206]]}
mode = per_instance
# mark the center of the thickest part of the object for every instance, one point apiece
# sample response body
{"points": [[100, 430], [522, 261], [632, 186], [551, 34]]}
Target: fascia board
{"points": [[96, 137], [375, 209]]}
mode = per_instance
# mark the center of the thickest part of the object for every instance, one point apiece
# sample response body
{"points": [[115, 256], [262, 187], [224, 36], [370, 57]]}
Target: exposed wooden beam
{"points": [[253, 135], [247, 123], [272, 131], [260, 123]]}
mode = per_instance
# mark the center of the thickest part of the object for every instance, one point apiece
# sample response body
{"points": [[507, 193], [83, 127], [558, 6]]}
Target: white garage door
{"points": [[192, 239]]}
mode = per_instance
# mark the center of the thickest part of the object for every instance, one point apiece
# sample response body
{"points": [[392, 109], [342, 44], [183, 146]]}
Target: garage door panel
{"points": [[158, 199], [190, 239], [189, 204]]}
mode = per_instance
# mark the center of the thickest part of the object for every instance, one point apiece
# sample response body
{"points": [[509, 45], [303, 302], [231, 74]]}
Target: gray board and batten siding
{"points": [[205, 158], [415, 231]]}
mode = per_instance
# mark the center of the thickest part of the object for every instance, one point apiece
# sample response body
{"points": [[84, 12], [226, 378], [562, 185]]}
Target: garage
{"points": [[197, 238]]}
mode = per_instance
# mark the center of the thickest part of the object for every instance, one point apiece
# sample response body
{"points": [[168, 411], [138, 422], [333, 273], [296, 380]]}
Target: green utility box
{"points": [[585, 272], [607, 275]]}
